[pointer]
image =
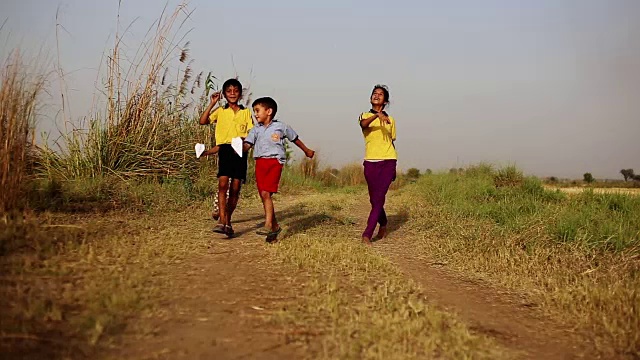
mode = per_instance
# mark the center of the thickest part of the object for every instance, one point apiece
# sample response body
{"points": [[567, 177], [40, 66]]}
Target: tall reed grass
{"points": [[146, 125], [21, 86]]}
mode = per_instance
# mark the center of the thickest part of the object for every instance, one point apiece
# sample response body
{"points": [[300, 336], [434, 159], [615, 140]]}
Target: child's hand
{"points": [[384, 119], [215, 97], [310, 153], [212, 151]]}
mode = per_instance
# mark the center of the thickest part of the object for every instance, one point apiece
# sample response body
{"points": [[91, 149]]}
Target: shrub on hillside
{"points": [[482, 169], [508, 176], [413, 174]]}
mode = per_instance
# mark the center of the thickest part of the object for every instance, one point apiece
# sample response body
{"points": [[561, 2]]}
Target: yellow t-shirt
{"points": [[378, 139], [231, 124]]}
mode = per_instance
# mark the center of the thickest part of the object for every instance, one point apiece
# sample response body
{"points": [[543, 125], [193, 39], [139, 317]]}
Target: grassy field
{"points": [[74, 281], [75, 276], [577, 256], [93, 233]]}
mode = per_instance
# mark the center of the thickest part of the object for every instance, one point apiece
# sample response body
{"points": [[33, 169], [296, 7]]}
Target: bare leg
{"points": [[234, 195], [223, 187], [269, 211]]}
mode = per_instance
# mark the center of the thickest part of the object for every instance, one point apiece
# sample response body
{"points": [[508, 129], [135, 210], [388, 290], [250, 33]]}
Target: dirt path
{"points": [[492, 312], [221, 305], [503, 316], [222, 300]]}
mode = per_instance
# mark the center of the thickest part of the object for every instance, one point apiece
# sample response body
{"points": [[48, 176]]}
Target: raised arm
{"points": [[364, 123], [204, 118], [384, 119]]}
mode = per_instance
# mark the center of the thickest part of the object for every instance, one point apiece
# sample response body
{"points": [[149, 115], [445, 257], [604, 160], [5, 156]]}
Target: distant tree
{"points": [[627, 174], [636, 177], [553, 179], [413, 173], [624, 174], [428, 172], [453, 171], [588, 178]]}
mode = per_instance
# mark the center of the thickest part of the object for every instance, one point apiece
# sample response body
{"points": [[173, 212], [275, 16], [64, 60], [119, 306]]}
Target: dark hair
{"points": [[234, 83], [268, 103], [384, 89]]}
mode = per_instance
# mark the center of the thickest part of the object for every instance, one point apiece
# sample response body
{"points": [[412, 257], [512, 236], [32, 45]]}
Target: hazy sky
{"points": [[550, 85]]}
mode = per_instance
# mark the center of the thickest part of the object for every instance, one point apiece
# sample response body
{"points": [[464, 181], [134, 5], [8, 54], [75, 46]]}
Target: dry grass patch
{"points": [[76, 280]]}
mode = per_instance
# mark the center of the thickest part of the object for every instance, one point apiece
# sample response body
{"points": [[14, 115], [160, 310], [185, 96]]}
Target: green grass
{"points": [[600, 221]]}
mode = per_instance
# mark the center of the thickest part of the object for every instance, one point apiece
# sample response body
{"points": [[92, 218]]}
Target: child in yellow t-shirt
{"points": [[379, 131], [232, 120]]}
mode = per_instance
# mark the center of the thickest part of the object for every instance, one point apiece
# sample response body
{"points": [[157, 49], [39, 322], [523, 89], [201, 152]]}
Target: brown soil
{"points": [[220, 306]]}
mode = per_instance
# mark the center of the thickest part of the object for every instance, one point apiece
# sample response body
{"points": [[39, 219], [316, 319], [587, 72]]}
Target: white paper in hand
{"points": [[199, 149], [236, 144]]}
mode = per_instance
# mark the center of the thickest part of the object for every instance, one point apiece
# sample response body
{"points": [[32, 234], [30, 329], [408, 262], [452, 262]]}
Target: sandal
{"points": [[263, 231], [272, 236], [220, 229], [229, 231]]}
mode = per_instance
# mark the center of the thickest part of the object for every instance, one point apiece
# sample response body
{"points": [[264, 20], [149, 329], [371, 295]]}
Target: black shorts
{"points": [[231, 164]]}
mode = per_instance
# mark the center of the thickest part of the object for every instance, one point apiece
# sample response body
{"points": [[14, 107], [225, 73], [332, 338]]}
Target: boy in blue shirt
{"points": [[267, 139]]}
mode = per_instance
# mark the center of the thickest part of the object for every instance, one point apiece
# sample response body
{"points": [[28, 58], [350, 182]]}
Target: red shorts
{"points": [[268, 172]]}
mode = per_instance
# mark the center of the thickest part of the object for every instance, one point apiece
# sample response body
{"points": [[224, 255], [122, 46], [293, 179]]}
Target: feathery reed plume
{"points": [[184, 54]]}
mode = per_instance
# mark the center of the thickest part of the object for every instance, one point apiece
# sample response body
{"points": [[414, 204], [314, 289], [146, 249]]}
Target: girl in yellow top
{"points": [[379, 130]]}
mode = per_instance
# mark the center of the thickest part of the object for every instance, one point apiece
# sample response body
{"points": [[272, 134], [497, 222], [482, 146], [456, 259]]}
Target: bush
{"points": [[413, 173], [482, 169], [508, 176]]}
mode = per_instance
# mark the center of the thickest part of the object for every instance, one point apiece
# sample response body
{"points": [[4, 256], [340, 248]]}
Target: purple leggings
{"points": [[379, 175]]}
